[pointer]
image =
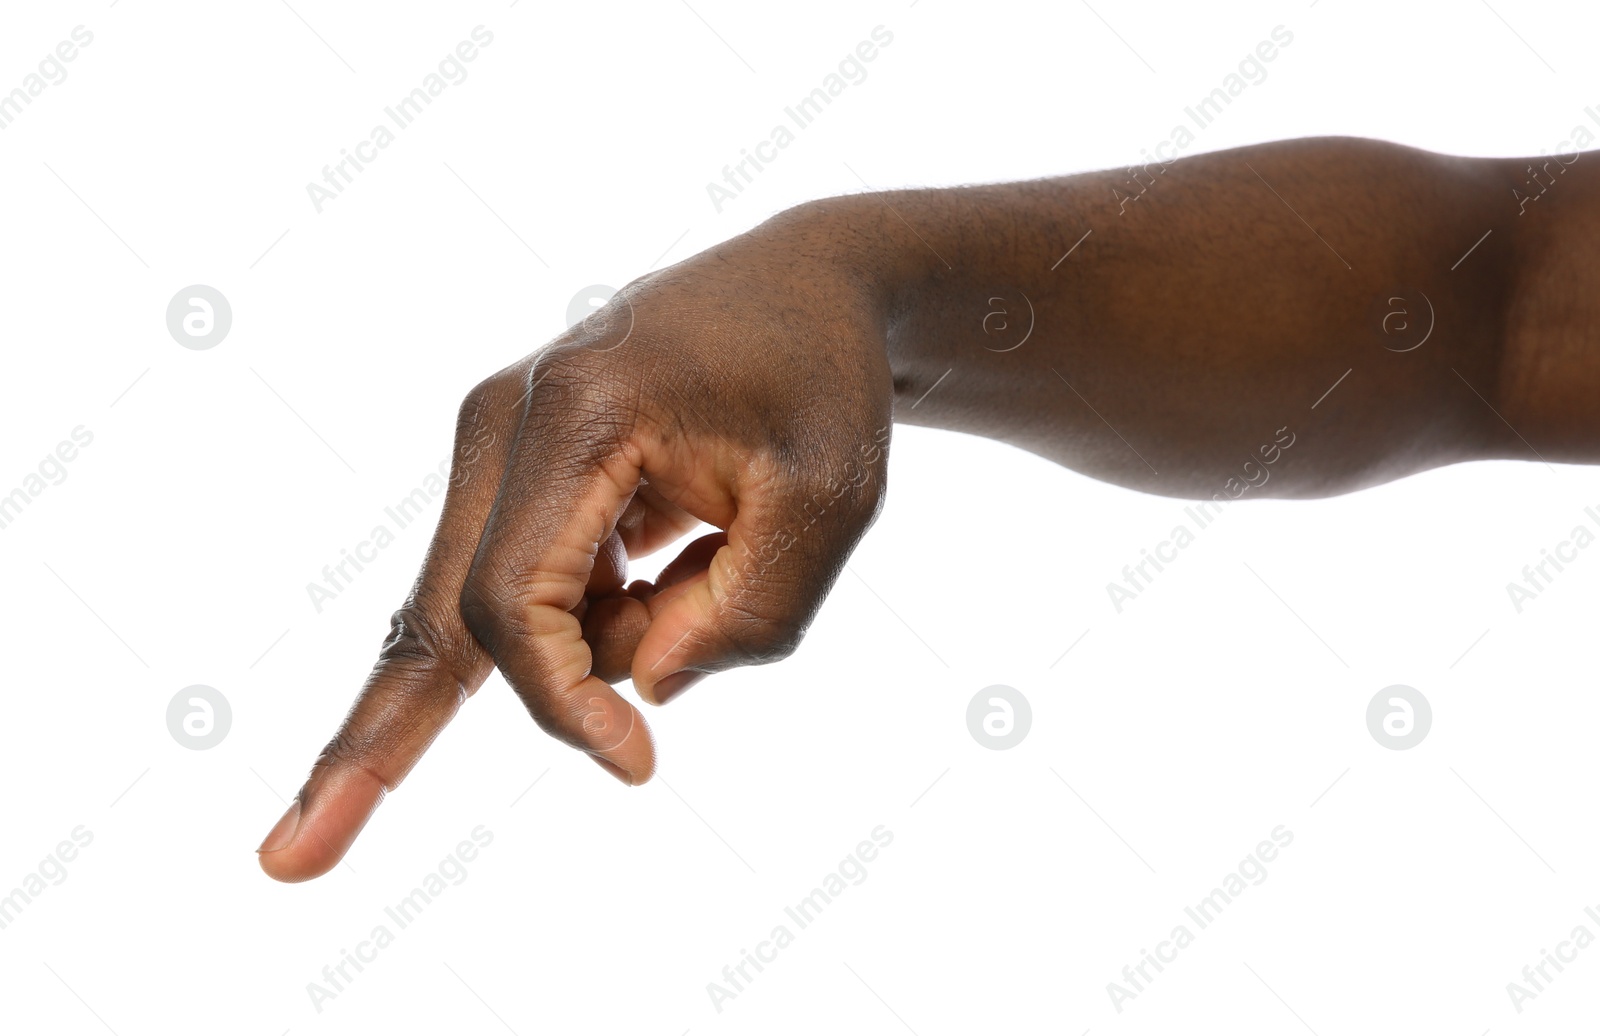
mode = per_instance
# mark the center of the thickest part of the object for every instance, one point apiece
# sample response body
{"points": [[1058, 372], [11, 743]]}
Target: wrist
{"points": [[864, 245]]}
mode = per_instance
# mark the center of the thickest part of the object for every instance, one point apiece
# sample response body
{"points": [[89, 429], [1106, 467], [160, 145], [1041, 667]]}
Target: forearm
{"points": [[1234, 326], [1192, 323]]}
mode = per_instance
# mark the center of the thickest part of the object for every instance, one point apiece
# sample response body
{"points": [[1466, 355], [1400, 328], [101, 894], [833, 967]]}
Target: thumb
{"points": [[759, 592]]}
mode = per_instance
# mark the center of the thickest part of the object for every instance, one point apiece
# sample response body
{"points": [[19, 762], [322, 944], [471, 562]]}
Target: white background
{"points": [[1169, 741]]}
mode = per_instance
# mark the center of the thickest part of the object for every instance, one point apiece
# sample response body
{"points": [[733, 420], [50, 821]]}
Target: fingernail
{"points": [[614, 770], [282, 832], [669, 687]]}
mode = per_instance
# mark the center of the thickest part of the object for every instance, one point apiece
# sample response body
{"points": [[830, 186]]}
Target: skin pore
{"points": [[753, 387]]}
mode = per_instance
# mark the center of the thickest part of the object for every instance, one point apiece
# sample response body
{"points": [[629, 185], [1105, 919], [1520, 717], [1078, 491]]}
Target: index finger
{"points": [[428, 666]]}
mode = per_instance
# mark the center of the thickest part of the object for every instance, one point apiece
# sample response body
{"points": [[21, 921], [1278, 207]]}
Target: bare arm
{"points": [[1225, 300], [1244, 295]]}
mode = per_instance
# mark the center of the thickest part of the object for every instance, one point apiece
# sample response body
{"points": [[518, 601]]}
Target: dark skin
{"points": [[753, 386]]}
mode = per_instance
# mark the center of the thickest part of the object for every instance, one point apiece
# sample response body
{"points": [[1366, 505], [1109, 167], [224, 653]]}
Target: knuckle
{"points": [[478, 421], [873, 494], [347, 751], [571, 374], [582, 403], [419, 639], [760, 640], [564, 368], [477, 402], [341, 749], [486, 399]]}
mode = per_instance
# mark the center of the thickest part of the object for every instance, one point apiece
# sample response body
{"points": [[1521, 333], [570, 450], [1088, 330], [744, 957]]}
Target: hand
{"points": [[746, 388]]}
